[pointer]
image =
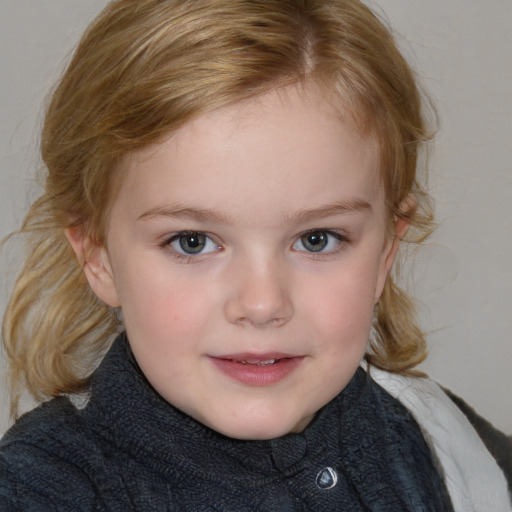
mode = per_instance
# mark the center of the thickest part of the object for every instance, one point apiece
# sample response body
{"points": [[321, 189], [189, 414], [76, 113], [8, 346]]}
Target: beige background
{"points": [[463, 51]]}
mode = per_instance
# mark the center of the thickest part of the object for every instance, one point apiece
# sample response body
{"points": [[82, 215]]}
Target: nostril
{"points": [[258, 299], [266, 324]]}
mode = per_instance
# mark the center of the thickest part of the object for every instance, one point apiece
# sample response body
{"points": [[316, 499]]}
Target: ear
{"points": [[95, 263], [399, 230]]}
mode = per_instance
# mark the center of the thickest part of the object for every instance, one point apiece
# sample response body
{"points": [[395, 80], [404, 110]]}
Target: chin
{"points": [[258, 430]]}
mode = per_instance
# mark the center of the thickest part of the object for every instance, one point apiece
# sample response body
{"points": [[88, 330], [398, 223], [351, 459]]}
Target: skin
{"points": [[254, 177]]}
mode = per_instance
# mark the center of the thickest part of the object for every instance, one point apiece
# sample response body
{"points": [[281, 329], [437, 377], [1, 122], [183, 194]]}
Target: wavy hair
{"points": [[141, 70]]}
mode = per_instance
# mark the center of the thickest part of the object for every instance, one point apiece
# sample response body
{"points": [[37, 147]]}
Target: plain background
{"points": [[462, 50]]}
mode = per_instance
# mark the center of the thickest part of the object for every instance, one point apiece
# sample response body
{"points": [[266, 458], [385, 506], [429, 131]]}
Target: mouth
{"points": [[257, 370], [266, 362]]}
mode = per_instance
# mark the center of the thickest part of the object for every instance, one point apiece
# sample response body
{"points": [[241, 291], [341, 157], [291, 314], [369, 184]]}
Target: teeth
{"points": [[268, 362]]}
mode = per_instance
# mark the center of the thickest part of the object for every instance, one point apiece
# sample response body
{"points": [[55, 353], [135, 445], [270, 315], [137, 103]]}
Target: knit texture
{"points": [[128, 450]]}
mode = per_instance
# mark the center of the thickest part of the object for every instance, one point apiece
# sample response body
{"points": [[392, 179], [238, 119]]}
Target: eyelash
{"points": [[183, 256], [341, 241]]}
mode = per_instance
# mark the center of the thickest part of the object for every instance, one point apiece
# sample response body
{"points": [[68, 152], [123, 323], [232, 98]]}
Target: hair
{"points": [[144, 68]]}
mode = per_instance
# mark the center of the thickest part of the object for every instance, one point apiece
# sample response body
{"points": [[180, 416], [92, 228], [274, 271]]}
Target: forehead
{"points": [[288, 146]]}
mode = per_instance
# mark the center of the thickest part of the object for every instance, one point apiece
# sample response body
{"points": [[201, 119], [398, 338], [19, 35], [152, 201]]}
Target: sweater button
{"points": [[326, 478]]}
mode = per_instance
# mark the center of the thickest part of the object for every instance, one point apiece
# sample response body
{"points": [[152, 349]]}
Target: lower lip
{"points": [[254, 375]]}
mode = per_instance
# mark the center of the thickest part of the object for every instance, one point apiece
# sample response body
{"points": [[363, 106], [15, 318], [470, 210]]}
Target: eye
{"points": [[192, 242], [318, 241]]}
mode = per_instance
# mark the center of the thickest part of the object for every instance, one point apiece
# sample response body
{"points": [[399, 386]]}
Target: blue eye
{"points": [[190, 243], [318, 241]]}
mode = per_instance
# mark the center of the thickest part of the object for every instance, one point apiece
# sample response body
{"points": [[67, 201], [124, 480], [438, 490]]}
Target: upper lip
{"points": [[255, 357]]}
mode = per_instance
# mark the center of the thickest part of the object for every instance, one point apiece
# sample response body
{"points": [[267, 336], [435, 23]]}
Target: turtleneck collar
{"points": [[363, 439], [135, 415]]}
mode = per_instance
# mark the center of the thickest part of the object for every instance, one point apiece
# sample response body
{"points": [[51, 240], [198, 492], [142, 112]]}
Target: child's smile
{"points": [[247, 252], [257, 369]]}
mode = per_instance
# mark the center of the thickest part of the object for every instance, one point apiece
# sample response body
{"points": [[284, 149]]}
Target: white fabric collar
{"points": [[473, 478]]}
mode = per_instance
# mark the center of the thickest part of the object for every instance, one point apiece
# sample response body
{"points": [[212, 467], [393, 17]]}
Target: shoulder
{"points": [[473, 474], [498, 444], [41, 454]]}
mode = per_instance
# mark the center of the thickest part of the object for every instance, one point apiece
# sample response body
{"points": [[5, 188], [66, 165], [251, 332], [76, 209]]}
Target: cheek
{"points": [[341, 312], [345, 298], [167, 324], [163, 307]]}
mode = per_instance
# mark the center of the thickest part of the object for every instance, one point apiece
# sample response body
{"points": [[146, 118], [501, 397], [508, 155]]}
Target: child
{"points": [[228, 183]]}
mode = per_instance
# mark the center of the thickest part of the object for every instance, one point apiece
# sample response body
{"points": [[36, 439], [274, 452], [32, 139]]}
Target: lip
{"points": [[257, 369]]}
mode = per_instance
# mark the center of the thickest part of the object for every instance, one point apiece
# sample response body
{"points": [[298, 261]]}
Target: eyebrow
{"points": [[215, 216], [328, 210], [185, 212]]}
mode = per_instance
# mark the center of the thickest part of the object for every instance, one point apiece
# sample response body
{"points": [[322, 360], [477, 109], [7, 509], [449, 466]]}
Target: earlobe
{"points": [[95, 263]]}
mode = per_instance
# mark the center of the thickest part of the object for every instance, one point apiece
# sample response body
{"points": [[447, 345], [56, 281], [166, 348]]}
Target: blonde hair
{"points": [[144, 68]]}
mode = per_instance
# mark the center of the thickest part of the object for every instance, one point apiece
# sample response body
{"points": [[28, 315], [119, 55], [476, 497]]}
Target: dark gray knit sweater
{"points": [[130, 450]]}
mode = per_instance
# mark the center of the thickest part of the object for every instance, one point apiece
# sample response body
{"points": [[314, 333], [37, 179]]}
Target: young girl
{"points": [[228, 183]]}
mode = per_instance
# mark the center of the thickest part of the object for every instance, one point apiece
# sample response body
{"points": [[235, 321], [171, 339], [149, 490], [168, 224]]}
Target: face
{"points": [[247, 252]]}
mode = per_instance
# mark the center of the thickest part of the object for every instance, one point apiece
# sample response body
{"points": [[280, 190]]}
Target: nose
{"points": [[260, 296]]}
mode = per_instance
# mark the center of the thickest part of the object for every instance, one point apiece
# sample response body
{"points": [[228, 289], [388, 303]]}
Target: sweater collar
{"points": [[363, 432], [136, 419]]}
